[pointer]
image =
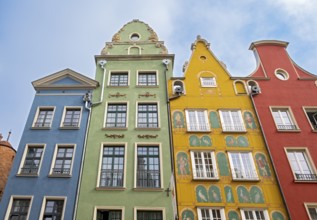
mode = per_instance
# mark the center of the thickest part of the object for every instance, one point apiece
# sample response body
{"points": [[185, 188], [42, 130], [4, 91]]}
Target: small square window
{"points": [[71, 118], [44, 117], [147, 115], [119, 79], [62, 165], [197, 120], [283, 119], [204, 165], [147, 79], [32, 160], [208, 82], [116, 116], [301, 164], [211, 214], [254, 214], [242, 166], [231, 120]]}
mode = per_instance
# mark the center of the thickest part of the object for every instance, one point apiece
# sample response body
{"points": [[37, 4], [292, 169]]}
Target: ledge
{"points": [[101, 188], [149, 189]]}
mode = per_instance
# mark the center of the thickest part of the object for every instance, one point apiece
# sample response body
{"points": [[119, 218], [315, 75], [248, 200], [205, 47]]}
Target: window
{"points": [[135, 37], [147, 115], [112, 167], [254, 215], [208, 82], [119, 79], [149, 215], [242, 166], [178, 87], [311, 114], [44, 117], [53, 209], [19, 209], [283, 119], [116, 116], [281, 74], [300, 164], [147, 79], [211, 214], [197, 120], [148, 167], [311, 209], [240, 88], [63, 160], [71, 117], [204, 165], [104, 214], [231, 120], [32, 160]]}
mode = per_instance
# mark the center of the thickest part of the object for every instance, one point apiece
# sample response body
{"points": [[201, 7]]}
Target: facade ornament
{"points": [[147, 136], [153, 36], [185, 66], [117, 95], [147, 94], [116, 37], [114, 136]]}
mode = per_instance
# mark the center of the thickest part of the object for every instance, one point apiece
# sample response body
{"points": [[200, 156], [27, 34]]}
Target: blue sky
{"points": [[38, 38]]}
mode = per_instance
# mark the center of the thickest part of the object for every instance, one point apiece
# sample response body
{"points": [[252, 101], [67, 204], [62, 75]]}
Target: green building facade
{"points": [[127, 165]]}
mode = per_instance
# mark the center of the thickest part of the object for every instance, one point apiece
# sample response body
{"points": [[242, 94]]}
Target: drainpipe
{"points": [[268, 149], [87, 100], [166, 62], [102, 64]]}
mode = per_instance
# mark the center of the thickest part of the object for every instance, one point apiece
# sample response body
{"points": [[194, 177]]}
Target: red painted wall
{"points": [[295, 94]]}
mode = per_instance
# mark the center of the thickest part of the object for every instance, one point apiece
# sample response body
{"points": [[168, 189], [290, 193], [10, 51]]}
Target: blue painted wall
{"points": [[44, 185]]}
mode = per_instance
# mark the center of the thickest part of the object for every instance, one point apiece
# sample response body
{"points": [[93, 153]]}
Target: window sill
{"points": [[206, 179], [292, 131], [147, 129], [245, 180], [102, 188], [27, 175], [198, 131], [233, 131], [144, 86], [149, 189], [40, 128], [114, 128], [59, 175], [305, 181], [69, 128], [118, 86]]}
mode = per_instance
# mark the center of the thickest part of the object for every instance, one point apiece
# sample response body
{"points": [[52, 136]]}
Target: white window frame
{"points": [[265, 212], [11, 203], [118, 72], [242, 175], [236, 89], [284, 126], [311, 109], [39, 108], [106, 112], [63, 198], [54, 160], [110, 144], [196, 125], [149, 72], [309, 206], [210, 209], [62, 126], [208, 82], [204, 173], [309, 163], [150, 144], [140, 208], [24, 157], [158, 115], [110, 208], [232, 126]]}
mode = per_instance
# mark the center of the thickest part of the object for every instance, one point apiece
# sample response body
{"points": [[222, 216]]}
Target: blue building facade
{"points": [[44, 178]]}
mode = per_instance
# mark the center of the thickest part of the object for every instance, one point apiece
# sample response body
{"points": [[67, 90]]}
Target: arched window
{"points": [[240, 88], [178, 87]]}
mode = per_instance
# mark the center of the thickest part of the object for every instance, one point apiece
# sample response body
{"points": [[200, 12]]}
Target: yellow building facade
{"points": [[222, 167]]}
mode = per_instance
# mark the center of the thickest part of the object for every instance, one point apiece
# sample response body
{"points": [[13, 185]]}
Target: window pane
{"points": [[116, 115], [147, 116], [119, 79], [19, 209], [44, 117]]}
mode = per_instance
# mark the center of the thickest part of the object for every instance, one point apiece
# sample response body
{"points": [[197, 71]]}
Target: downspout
{"points": [[166, 62], [87, 100], [102, 64], [268, 149]]}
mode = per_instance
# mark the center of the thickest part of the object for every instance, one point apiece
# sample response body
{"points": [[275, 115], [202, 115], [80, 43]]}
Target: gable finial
{"points": [[9, 134]]}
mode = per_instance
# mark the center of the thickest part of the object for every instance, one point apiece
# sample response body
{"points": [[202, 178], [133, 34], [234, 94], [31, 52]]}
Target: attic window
{"points": [[135, 37], [281, 74]]}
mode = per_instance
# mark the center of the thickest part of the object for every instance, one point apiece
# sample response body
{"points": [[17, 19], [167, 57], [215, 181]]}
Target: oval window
{"points": [[135, 37], [281, 74]]}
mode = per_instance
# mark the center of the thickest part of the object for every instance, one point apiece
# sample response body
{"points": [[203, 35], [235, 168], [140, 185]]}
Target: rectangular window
{"points": [[197, 120], [254, 215], [112, 167], [231, 120], [311, 114], [149, 215], [53, 209], [104, 214], [283, 119], [63, 160], [242, 166], [301, 165], [147, 115], [148, 167], [208, 82], [119, 79], [44, 117], [71, 117], [204, 165], [311, 209], [147, 79], [211, 214], [32, 160], [19, 208], [116, 116]]}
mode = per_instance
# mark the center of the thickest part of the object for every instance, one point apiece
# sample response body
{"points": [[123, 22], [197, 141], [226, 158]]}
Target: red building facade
{"points": [[285, 97]]}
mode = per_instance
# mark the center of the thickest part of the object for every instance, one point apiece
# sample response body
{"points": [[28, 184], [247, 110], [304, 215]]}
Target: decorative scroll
{"points": [[147, 94], [147, 136], [114, 136], [117, 95]]}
